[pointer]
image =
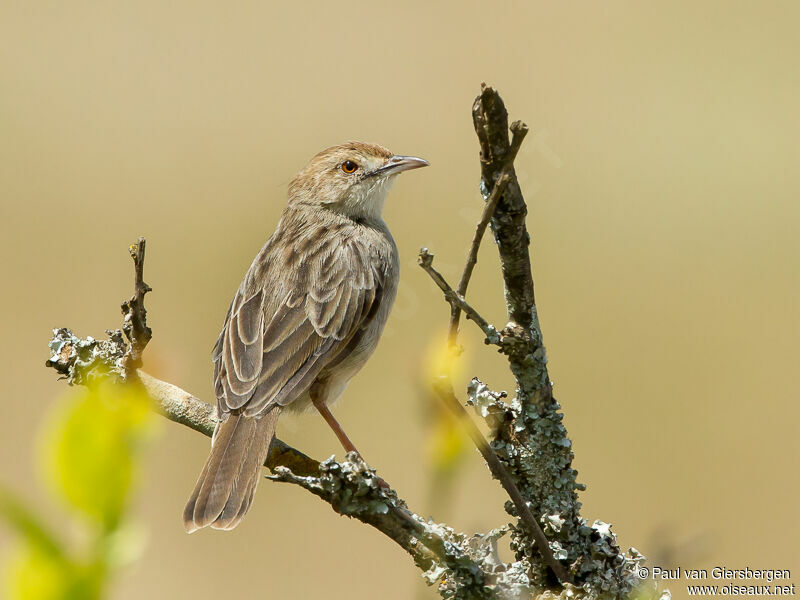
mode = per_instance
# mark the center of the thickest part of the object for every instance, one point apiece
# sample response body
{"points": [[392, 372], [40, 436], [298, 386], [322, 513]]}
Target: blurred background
{"points": [[662, 178]]}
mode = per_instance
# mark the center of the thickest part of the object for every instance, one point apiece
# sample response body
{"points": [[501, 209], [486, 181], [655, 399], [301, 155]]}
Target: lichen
{"points": [[352, 487], [489, 404], [532, 442], [83, 360], [469, 566]]}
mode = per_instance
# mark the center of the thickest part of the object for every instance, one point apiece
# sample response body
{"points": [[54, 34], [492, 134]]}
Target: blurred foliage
{"points": [[91, 448], [447, 445]]}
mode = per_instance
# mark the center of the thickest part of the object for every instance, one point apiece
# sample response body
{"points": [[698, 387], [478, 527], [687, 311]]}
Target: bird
{"points": [[304, 320]]}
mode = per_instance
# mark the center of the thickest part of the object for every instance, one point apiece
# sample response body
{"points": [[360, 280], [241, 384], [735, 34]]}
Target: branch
{"points": [[508, 222], [451, 559], [182, 407], [348, 487], [444, 389], [530, 453], [444, 386], [463, 566], [519, 131], [456, 300], [134, 324], [532, 441]]}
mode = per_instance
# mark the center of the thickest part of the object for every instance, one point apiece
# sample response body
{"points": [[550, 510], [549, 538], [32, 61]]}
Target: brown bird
{"points": [[304, 320]]}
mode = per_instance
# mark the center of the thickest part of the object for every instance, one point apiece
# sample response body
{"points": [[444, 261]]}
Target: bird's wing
{"points": [[266, 355]]}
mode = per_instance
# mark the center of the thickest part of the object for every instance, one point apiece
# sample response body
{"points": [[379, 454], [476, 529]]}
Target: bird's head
{"points": [[352, 178]]}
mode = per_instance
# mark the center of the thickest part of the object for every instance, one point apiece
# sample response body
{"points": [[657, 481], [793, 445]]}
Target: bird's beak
{"points": [[396, 164]]}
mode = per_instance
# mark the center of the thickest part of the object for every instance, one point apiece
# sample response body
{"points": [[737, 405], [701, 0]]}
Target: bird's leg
{"points": [[337, 429], [334, 424]]}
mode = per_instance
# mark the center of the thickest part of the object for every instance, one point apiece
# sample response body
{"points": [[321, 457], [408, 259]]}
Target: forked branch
{"points": [[519, 130], [350, 487], [529, 452]]}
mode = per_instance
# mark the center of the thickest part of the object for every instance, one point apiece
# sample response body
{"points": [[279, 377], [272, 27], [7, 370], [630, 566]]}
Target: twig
{"points": [[444, 389], [519, 131], [134, 323], [456, 300]]}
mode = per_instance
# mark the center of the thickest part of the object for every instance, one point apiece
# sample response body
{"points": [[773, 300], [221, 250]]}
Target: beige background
{"points": [[662, 177]]}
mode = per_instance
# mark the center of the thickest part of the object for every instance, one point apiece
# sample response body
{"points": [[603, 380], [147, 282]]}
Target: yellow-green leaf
{"points": [[36, 575], [28, 525], [90, 449], [448, 445]]}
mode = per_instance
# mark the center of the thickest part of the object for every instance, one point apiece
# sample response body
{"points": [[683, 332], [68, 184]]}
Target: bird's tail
{"points": [[226, 485]]}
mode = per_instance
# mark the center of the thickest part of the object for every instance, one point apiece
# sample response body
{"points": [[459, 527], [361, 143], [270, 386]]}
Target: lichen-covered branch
{"points": [[534, 445], [529, 439], [508, 220], [82, 361], [462, 566], [532, 441], [529, 451], [443, 387]]}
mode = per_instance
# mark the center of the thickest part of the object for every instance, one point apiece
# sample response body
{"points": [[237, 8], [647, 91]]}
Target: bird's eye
{"points": [[349, 166]]}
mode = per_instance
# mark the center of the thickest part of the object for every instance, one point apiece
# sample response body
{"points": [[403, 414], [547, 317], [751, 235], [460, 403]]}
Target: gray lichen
{"points": [[82, 360], [461, 566], [532, 442], [488, 404], [351, 487]]}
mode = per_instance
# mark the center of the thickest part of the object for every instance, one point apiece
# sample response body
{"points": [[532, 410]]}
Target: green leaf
{"points": [[447, 445], [90, 450], [28, 525], [35, 575]]}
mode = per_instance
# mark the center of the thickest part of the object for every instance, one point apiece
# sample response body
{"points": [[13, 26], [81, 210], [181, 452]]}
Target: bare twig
{"points": [[519, 131], [456, 300], [134, 323]]}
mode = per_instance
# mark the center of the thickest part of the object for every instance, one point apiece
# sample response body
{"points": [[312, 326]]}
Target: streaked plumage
{"points": [[304, 320]]}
